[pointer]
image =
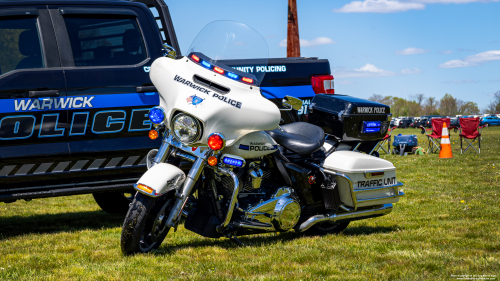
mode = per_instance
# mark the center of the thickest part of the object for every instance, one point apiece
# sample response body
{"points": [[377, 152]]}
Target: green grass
{"points": [[447, 224]]}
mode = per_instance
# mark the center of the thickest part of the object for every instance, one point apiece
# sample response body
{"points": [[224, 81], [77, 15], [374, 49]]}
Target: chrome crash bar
{"points": [[354, 193]]}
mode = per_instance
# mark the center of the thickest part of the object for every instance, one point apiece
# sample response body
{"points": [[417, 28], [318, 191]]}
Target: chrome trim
{"points": [[353, 196], [355, 201], [355, 148], [183, 155], [199, 133], [234, 198], [223, 140], [264, 226], [348, 216], [183, 194]]}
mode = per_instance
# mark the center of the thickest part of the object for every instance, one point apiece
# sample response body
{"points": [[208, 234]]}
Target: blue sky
{"points": [[387, 47]]}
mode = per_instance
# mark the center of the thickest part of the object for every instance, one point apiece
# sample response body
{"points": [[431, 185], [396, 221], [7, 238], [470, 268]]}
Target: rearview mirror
{"points": [[169, 51], [290, 102]]}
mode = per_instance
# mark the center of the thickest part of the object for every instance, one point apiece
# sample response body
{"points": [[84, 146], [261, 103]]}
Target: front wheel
{"points": [[144, 228]]}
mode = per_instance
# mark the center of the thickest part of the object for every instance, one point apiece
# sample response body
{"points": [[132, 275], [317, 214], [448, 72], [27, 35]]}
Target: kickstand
{"points": [[236, 240]]}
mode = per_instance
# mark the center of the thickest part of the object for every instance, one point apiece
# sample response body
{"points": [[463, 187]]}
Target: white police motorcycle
{"points": [[226, 164]]}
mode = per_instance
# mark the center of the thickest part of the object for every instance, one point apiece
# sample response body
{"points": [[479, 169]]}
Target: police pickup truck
{"points": [[75, 93]]}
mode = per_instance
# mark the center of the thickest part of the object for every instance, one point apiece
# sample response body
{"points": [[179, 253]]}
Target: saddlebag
{"points": [[363, 180], [348, 118]]}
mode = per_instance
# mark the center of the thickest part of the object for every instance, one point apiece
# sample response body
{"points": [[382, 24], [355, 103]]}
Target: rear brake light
{"points": [[322, 84]]}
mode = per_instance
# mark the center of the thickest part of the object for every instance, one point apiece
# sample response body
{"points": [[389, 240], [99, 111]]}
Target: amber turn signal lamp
{"points": [[212, 161], [153, 134], [145, 188]]}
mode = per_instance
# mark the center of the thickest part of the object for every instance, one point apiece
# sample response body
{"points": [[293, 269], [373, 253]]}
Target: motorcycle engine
{"points": [[261, 202]]}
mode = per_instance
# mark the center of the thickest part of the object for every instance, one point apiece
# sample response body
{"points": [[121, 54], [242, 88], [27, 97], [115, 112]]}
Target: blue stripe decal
{"points": [[79, 102], [244, 147], [294, 91]]}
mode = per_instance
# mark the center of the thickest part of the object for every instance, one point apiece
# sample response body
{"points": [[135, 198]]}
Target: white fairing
{"points": [[162, 178], [241, 111], [252, 145], [356, 165]]}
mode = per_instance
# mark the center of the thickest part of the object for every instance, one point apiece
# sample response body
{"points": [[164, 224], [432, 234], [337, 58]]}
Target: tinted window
{"points": [[107, 40], [19, 44]]}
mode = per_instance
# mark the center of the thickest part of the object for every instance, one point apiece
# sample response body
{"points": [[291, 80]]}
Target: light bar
{"points": [[195, 57], [219, 70], [232, 75], [247, 80], [206, 64]]}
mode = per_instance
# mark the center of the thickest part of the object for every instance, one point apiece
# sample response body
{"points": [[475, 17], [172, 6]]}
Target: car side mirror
{"points": [[290, 103], [169, 51]]}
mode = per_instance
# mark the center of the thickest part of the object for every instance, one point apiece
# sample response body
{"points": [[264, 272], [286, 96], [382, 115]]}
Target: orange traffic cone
{"points": [[445, 151]]}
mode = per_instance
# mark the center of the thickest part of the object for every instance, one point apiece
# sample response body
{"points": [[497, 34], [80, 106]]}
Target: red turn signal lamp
{"points": [[153, 134], [247, 80], [219, 70], [322, 84], [195, 58], [216, 142]]}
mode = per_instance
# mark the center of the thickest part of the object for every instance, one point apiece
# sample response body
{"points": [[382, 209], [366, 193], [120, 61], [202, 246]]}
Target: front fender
{"points": [[160, 179]]}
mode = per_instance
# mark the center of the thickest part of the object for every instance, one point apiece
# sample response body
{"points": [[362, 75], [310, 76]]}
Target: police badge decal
{"points": [[196, 101]]}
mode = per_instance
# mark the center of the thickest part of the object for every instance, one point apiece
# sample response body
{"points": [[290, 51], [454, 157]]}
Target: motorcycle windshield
{"points": [[223, 41]]}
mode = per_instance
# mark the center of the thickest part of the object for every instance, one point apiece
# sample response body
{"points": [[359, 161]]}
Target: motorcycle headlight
{"points": [[157, 115], [186, 128]]}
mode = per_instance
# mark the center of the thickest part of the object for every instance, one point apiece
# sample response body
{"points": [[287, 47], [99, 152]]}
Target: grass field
{"points": [[448, 224]]}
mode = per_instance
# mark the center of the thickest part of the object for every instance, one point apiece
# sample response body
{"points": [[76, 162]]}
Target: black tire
{"points": [[114, 202], [327, 228], [144, 227]]}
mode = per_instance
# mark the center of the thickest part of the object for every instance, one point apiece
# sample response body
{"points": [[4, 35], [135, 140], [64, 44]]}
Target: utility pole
{"points": [[292, 42]]}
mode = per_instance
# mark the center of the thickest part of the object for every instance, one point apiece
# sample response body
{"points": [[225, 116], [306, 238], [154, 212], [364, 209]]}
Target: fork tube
{"points": [[182, 198], [162, 152]]}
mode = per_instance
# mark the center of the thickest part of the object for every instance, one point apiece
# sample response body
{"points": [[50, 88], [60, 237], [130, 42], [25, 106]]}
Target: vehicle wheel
{"points": [[144, 227], [327, 228], [114, 202]]}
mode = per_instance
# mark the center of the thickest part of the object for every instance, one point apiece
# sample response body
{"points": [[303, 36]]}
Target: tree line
{"points": [[418, 105]]}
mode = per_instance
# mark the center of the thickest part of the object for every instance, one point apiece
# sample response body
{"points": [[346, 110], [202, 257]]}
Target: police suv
{"points": [[75, 93]]}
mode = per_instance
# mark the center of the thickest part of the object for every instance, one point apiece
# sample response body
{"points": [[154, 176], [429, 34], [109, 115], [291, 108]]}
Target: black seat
{"points": [[299, 137], [29, 46]]}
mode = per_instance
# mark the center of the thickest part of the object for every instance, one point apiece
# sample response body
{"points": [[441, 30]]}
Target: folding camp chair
{"points": [[386, 139], [437, 130], [470, 130]]}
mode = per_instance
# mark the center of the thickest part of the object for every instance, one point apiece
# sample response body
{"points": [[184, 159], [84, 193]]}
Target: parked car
{"points": [[455, 121], [490, 121], [75, 92], [405, 123]]}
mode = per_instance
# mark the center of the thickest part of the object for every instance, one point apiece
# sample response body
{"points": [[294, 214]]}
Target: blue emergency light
{"points": [[371, 126], [232, 75], [156, 115], [232, 162], [206, 64]]}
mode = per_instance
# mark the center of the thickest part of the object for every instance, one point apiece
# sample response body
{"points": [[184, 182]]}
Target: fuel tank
{"points": [[252, 145]]}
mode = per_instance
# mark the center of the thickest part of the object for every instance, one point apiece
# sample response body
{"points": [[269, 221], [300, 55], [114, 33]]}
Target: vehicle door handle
{"points": [[146, 89], [48, 93]]}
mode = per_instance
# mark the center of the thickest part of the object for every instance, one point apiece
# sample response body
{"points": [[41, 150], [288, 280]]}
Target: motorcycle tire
{"points": [[144, 227], [114, 202], [320, 229]]}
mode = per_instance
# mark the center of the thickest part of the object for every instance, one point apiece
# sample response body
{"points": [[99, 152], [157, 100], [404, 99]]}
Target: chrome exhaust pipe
{"points": [[349, 216]]}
